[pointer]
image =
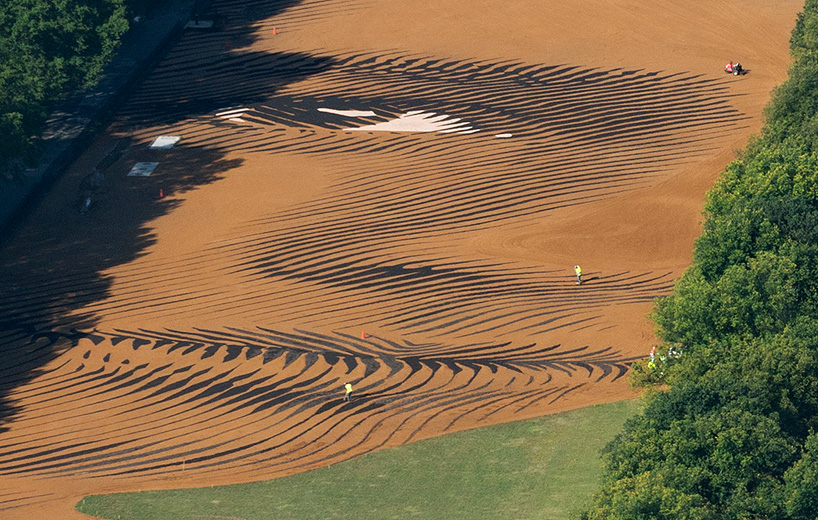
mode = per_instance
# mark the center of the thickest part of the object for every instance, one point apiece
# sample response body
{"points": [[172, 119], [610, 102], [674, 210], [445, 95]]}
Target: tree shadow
{"points": [[53, 268], [53, 264], [198, 86]]}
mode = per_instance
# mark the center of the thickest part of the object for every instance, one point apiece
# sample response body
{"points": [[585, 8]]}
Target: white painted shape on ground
{"points": [[503, 136], [348, 113], [230, 112], [460, 131], [419, 121], [237, 120], [142, 169], [164, 142]]}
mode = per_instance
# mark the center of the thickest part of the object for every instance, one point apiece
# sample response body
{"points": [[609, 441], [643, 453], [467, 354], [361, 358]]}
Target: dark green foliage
{"points": [[647, 497], [757, 297], [728, 437], [734, 435], [49, 47], [805, 34], [802, 484], [796, 217]]}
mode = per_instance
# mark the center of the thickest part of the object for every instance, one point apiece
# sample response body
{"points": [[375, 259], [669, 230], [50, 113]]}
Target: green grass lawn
{"points": [[543, 468]]}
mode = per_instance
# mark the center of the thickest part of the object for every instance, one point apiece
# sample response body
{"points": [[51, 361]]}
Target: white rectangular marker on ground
{"points": [[142, 169], [164, 142]]}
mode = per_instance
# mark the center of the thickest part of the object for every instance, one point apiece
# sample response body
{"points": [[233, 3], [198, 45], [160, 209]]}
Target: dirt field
{"points": [[391, 194]]}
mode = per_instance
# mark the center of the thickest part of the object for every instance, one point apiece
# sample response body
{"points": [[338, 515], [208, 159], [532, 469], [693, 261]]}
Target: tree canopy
{"points": [[733, 433], [48, 48]]}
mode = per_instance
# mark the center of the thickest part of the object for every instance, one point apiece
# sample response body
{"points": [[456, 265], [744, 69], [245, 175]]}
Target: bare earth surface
{"points": [[204, 337]]}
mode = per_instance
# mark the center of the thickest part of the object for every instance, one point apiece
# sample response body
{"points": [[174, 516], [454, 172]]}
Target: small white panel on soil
{"points": [[142, 169], [164, 142]]}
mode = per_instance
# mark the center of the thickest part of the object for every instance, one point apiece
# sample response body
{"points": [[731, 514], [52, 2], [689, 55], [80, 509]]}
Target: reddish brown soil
{"points": [[204, 338]]}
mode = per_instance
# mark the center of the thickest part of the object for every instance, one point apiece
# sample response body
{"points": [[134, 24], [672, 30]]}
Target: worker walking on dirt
{"points": [[348, 388], [578, 270]]}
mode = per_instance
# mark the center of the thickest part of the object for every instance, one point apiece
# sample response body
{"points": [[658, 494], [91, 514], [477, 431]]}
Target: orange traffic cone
{"points": [[161, 193], [363, 334], [274, 31]]}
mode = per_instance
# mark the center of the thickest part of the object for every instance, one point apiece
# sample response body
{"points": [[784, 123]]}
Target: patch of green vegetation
{"points": [[736, 435], [540, 468], [47, 49]]}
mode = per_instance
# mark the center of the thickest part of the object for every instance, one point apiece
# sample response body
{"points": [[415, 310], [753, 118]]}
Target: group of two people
{"points": [[734, 68]]}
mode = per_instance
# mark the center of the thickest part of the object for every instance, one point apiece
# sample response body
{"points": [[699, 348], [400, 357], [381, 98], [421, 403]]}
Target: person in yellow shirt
{"points": [[348, 388], [578, 270]]}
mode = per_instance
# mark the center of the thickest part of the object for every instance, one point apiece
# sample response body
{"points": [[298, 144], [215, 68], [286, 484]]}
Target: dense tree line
{"points": [[49, 48], [734, 433]]}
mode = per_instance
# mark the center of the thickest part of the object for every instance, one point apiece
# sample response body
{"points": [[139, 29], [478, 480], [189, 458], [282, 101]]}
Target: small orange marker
{"points": [[363, 334], [161, 193], [274, 31]]}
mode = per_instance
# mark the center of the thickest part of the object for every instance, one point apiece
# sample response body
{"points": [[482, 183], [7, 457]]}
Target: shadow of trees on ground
{"points": [[52, 265]]}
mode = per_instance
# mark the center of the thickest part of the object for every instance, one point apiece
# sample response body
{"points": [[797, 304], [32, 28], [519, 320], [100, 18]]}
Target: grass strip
{"points": [[544, 468]]}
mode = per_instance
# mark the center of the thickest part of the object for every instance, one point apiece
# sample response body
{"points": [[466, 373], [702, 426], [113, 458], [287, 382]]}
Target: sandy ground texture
{"points": [[196, 327]]}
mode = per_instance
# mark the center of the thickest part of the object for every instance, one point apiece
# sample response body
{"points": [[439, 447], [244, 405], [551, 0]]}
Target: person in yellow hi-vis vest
{"points": [[348, 388], [578, 270]]}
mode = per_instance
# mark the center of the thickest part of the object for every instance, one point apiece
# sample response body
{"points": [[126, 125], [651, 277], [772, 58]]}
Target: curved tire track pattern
{"points": [[233, 401], [377, 243]]}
